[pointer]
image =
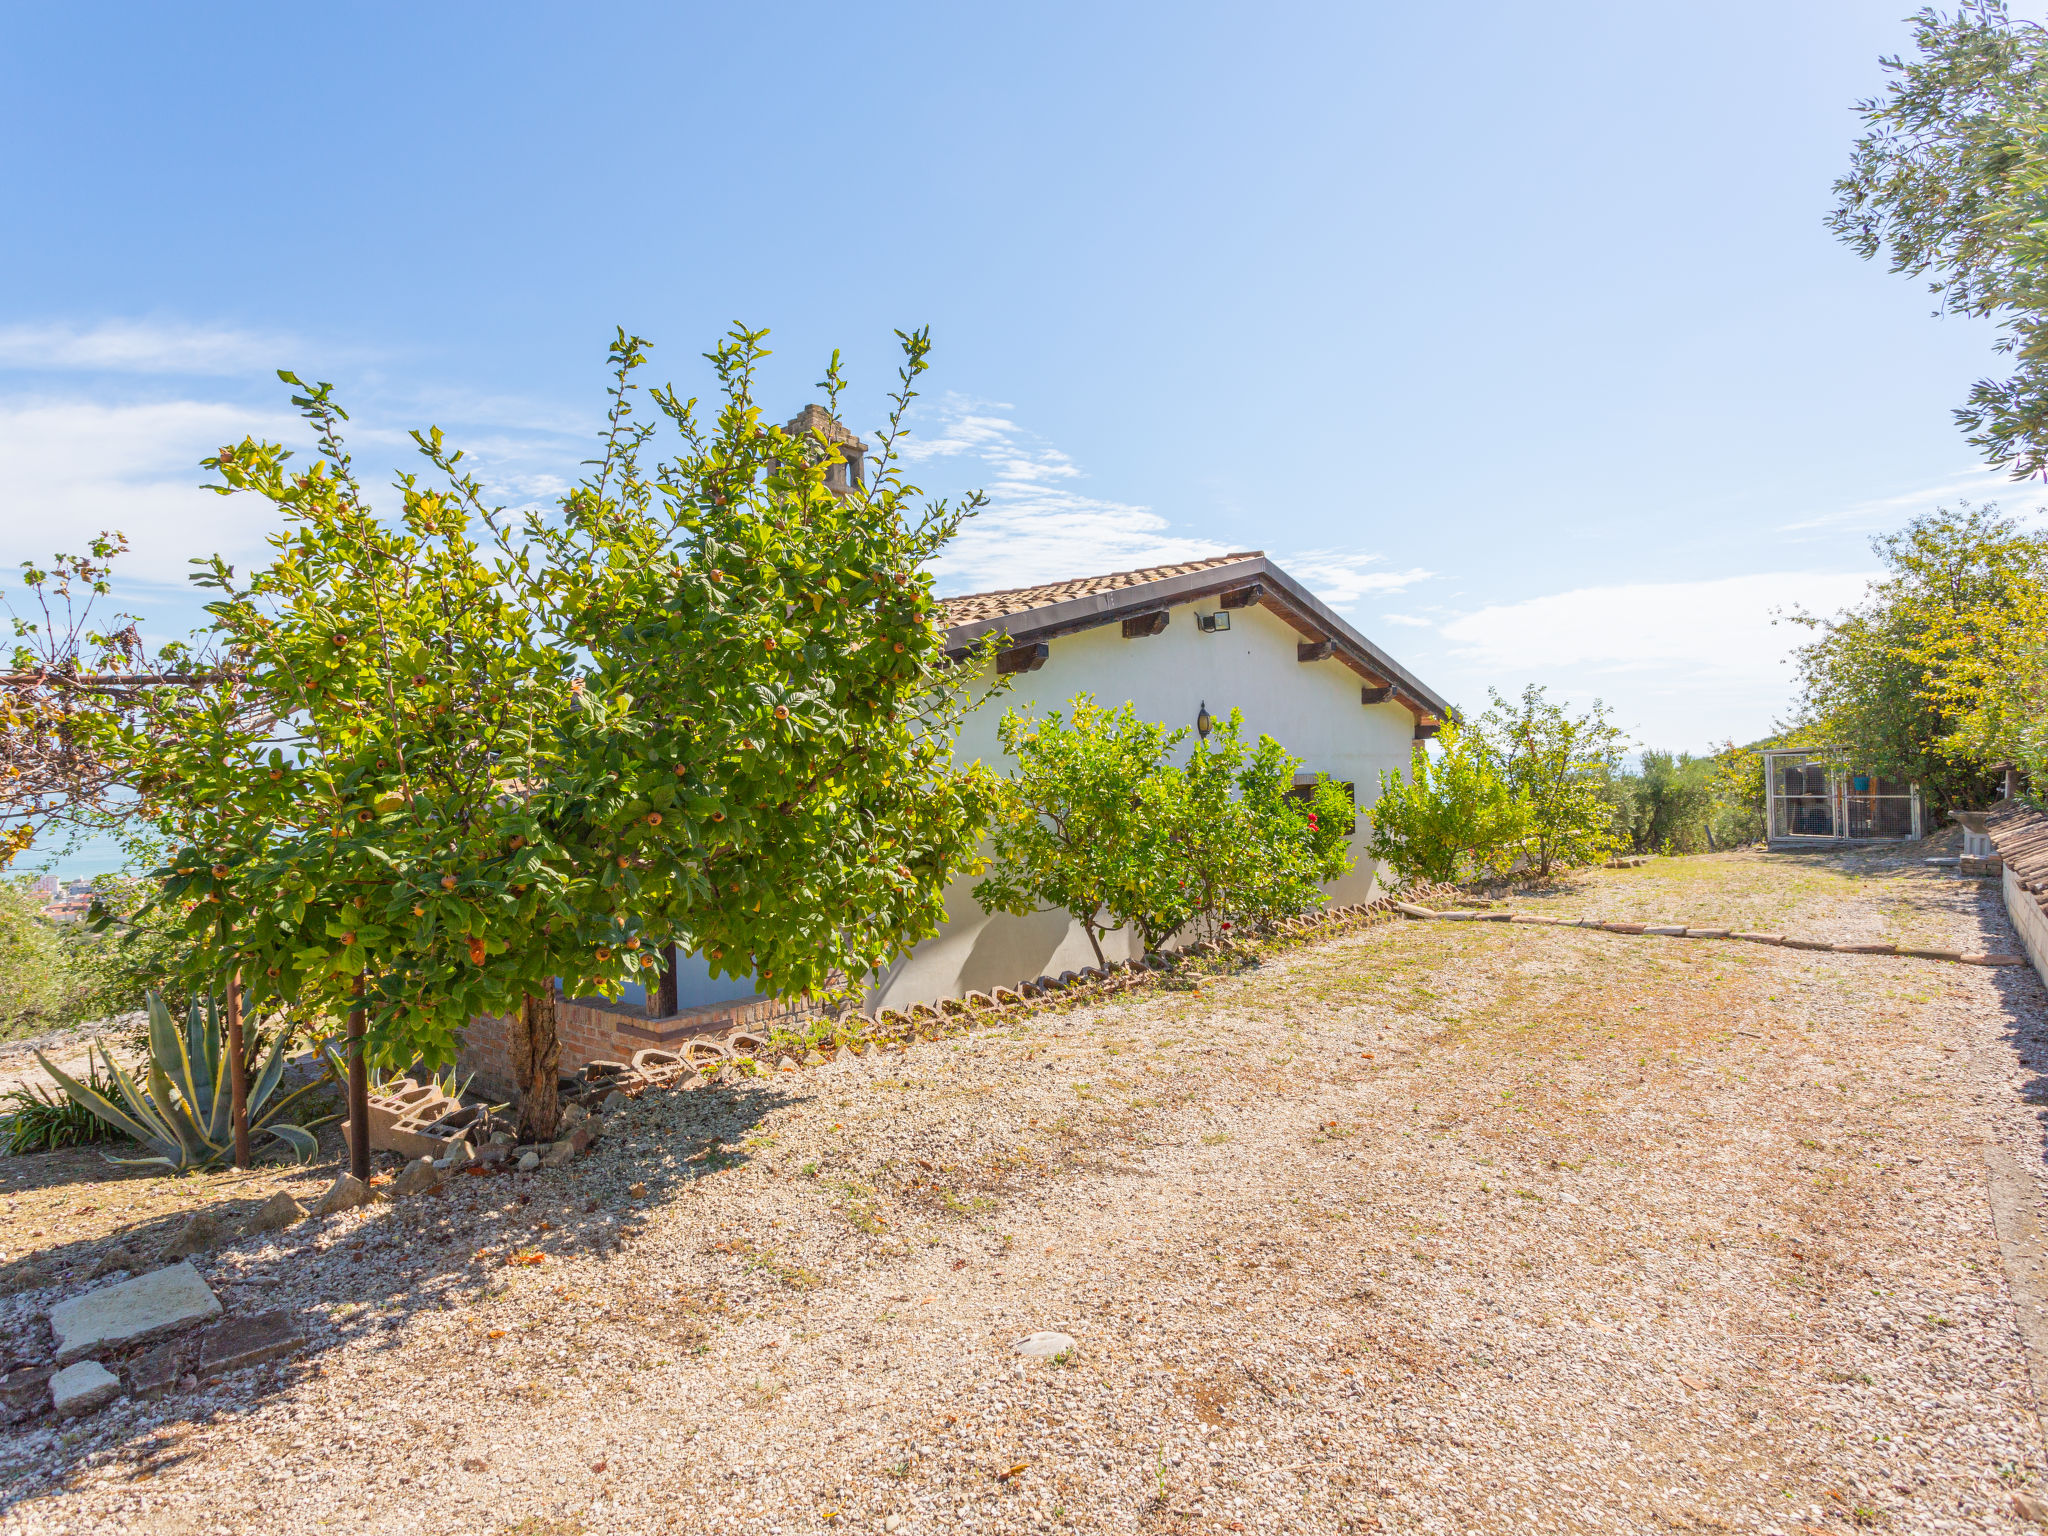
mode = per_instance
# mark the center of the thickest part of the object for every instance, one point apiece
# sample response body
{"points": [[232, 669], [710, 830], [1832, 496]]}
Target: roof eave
{"points": [[1295, 604]]}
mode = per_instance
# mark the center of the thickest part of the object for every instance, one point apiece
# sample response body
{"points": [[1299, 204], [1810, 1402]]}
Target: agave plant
{"points": [[185, 1114]]}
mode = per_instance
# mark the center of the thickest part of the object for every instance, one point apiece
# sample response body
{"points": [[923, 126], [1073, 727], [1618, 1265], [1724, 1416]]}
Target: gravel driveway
{"points": [[1434, 1227]]}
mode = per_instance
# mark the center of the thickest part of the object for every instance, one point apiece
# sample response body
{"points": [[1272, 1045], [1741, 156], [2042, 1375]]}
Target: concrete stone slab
{"points": [[83, 1387], [241, 1342], [147, 1307]]}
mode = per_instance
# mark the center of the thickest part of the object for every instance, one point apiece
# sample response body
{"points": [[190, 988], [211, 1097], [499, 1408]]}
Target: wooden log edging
{"points": [[1680, 931]]}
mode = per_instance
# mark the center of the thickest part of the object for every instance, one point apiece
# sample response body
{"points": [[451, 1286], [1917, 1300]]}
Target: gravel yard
{"points": [[1437, 1227]]}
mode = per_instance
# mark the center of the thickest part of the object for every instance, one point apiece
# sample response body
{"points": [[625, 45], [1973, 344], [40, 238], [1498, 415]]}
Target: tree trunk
{"points": [[358, 1092], [536, 1058], [238, 1072]]}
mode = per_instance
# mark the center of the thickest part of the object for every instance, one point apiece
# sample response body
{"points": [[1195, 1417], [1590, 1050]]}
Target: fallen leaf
{"points": [[531, 1256], [1000, 1476], [472, 1464], [599, 1466], [959, 1263], [495, 1333], [636, 1190], [1692, 1382]]}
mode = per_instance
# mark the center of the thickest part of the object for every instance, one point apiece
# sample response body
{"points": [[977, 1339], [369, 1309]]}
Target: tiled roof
{"points": [[2020, 834], [977, 607]]}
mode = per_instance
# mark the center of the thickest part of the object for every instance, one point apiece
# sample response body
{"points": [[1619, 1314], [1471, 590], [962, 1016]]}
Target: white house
{"points": [[1231, 632]]}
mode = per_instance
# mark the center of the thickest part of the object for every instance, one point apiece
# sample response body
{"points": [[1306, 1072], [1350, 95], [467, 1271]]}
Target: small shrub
{"points": [[43, 1121]]}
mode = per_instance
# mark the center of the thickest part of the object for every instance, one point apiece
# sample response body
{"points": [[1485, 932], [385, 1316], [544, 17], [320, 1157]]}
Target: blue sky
{"points": [[1513, 330]]}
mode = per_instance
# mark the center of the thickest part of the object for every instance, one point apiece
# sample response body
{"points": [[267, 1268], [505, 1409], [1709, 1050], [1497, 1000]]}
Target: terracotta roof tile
{"points": [[975, 607], [2020, 834]]}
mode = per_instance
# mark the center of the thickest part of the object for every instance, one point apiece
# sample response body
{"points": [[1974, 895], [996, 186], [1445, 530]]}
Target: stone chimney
{"points": [[842, 477]]}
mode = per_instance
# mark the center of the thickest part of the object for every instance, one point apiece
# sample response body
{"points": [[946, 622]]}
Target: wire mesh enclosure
{"points": [[1820, 797]]}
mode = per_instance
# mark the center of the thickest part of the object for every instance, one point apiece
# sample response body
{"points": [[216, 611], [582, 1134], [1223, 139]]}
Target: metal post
{"points": [[358, 1093], [238, 1073]]}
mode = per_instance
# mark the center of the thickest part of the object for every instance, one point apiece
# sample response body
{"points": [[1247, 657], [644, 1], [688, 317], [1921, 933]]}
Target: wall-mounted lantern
{"points": [[1203, 722]]}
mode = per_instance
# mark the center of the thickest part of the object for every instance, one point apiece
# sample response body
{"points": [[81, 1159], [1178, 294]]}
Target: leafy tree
{"points": [[1675, 803], [71, 684], [32, 960], [1907, 681], [1248, 846], [1455, 813], [1099, 820], [706, 702], [1947, 183], [1085, 823], [1557, 763]]}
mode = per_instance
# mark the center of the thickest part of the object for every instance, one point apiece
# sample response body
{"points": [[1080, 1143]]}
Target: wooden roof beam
{"points": [[1022, 658]]}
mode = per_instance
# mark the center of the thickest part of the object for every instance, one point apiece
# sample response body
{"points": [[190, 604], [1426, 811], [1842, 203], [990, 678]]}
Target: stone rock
{"points": [[240, 1342], [787, 1064], [1821, 944], [557, 1154], [1665, 930], [156, 1372], [614, 1101], [147, 1307], [613, 1125], [575, 1114], [83, 1387], [503, 1139], [582, 1139], [1992, 959], [1759, 938], [1706, 933], [115, 1258], [1043, 1345], [344, 1194], [460, 1156], [2027, 1507], [419, 1177], [275, 1214], [25, 1393], [202, 1230], [1932, 954], [529, 1161], [1865, 949], [496, 1152], [813, 1059]]}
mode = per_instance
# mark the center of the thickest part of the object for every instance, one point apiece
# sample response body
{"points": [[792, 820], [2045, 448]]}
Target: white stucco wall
{"points": [[1311, 708]]}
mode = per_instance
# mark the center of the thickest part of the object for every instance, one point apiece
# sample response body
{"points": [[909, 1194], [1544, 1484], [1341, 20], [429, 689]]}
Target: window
{"points": [[1305, 789]]}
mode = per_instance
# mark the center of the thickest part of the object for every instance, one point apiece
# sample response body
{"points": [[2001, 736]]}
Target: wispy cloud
{"points": [[1723, 627], [1344, 578], [1037, 526], [142, 346], [1883, 513], [70, 468]]}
